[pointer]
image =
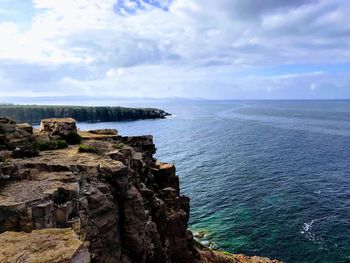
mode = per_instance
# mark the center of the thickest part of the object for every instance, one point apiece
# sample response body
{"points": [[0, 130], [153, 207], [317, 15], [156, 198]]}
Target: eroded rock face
{"points": [[123, 204], [17, 138]]}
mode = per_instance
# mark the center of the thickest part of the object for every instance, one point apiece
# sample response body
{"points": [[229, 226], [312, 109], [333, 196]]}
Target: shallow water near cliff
{"points": [[268, 178]]}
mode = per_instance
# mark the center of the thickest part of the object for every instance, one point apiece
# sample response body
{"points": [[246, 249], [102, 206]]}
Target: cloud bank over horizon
{"points": [[225, 49]]}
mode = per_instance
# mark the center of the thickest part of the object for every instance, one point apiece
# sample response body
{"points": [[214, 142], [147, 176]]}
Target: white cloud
{"points": [[174, 46], [312, 86], [115, 72]]}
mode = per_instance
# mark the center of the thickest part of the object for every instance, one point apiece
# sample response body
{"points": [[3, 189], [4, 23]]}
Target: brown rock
{"points": [[58, 126], [212, 256], [25, 127], [133, 229]]}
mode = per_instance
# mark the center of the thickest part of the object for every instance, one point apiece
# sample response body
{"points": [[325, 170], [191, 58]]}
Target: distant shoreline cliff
{"points": [[35, 113]]}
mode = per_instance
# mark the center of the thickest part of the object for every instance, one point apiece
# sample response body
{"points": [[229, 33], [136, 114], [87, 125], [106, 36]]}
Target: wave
{"points": [[203, 238], [310, 234], [330, 127]]}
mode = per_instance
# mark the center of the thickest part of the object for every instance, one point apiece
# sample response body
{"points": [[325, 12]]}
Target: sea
{"points": [[267, 178]]}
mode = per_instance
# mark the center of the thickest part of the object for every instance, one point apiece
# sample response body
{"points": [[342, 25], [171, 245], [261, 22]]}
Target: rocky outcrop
{"points": [[16, 140], [211, 256], [35, 113], [122, 204], [58, 126]]}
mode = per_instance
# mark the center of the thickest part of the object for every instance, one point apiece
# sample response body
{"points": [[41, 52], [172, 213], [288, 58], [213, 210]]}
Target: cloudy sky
{"points": [[222, 49]]}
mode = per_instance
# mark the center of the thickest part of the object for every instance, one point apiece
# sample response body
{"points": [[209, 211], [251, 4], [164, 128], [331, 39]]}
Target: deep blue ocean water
{"points": [[268, 178]]}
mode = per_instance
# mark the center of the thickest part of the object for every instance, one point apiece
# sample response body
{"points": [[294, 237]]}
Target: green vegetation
{"points": [[26, 150], [86, 149], [72, 138], [51, 145], [119, 146], [35, 113]]}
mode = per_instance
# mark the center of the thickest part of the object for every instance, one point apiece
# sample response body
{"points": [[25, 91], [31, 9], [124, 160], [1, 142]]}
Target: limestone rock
{"points": [[25, 127], [58, 126], [43, 246]]}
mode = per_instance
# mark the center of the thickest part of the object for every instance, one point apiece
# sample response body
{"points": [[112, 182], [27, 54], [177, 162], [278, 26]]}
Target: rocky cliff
{"points": [[103, 198], [35, 113]]}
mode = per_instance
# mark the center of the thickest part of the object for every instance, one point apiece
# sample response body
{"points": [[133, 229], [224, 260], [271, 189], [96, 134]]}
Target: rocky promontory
{"points": [[92, 196], [35, 113]]}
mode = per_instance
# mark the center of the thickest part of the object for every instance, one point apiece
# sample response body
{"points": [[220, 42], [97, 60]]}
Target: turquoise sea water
{"points": [[268, 178]]}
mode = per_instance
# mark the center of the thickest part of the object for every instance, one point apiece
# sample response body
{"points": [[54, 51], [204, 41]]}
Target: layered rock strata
{"points": [[122, 204]]}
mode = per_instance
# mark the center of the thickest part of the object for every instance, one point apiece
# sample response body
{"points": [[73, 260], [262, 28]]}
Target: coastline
{"points": [[35, 113], [121, 203]]}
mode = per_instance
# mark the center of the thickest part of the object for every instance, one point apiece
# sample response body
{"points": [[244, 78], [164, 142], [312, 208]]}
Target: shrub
{"points": [[119, 146], [51, 145], [61, 196], [72, 138], [25, 151], [86, 149]]}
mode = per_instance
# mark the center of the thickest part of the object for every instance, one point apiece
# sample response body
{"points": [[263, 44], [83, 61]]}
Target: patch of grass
{"points": [[225, 253], [86, 149], [25, 151], [81, 180], [73, 138], [51, 145], [119, 146]]}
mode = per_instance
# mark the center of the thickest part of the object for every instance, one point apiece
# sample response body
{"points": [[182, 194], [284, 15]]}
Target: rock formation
{"points": [[58, 127], [121, 204]]}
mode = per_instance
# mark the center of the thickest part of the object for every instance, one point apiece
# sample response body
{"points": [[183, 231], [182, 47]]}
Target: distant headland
{"points": [[35, 113]]}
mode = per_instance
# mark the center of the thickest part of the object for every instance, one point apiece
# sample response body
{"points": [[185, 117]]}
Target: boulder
{"points": [[17, 137], [25, 127], [58, 126]]}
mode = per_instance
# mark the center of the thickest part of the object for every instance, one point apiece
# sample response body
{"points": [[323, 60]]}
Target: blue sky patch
{"points": [[20, 12], [131, 7], [302, 69]]}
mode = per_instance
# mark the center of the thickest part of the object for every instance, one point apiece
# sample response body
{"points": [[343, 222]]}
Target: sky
{"points": [[222, 49]]}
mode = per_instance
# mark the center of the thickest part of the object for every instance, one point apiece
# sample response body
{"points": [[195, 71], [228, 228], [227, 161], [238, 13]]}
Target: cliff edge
{"points": [[92, 196]]}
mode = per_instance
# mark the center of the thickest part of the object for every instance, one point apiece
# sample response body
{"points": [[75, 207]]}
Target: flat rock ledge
{"points": [[103, 198], [41, 246]]}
